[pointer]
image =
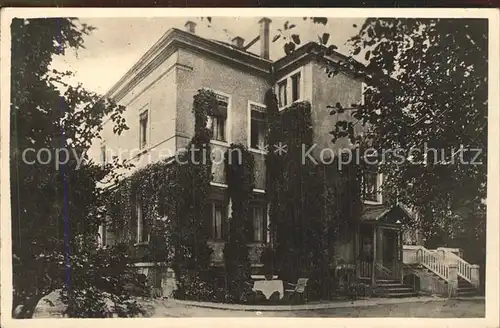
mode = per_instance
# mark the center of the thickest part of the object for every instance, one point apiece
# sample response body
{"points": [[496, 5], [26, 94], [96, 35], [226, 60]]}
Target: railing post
{"points": [[452, 280], [475, 275]]}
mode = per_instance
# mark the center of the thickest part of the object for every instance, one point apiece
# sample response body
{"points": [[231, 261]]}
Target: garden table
{"points": [[268, 287]]}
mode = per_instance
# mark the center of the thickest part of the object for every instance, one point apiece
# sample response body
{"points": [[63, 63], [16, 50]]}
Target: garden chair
{"points": [[298, 293]]}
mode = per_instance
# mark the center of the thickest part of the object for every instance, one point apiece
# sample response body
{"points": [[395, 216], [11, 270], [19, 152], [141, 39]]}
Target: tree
{"points": [[57, 207], [240, 180], [427, 87]]}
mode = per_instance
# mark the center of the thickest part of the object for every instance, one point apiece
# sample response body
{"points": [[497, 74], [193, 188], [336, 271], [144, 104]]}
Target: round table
{"points": [[268, 287]]}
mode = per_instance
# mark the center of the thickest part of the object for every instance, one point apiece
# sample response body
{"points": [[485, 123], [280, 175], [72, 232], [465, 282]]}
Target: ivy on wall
{"points": [[192, 253], [240, 177], [173, 198], [310, 204]]}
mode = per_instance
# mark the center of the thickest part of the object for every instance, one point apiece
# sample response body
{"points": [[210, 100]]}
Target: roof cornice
{"points": [[171, 41]]}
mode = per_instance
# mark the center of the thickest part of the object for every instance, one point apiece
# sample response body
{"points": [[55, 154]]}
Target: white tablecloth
{"points": [[268, 287]]}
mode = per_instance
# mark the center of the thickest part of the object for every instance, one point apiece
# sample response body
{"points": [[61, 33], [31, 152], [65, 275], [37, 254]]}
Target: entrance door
{"points": [[389, 244], [366, 251]]}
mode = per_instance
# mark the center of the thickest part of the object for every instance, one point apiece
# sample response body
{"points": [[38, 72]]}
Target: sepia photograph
{"points": [[254, 166]]}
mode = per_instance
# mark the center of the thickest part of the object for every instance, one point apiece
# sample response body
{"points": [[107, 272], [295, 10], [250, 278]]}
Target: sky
{"points": [[118, 43]]}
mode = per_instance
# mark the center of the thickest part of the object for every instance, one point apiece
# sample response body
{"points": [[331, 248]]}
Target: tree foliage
{"points": [[426, 87], [240, 180], [56, 210], [310, 204]]}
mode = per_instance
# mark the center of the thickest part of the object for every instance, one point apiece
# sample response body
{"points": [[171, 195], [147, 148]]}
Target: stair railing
{"points": [[433, 262], [464, 269]]}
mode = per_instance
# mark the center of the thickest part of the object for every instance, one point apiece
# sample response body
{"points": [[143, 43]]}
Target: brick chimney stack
{"points": [[238, 41], [190, 26], [264, 37]]}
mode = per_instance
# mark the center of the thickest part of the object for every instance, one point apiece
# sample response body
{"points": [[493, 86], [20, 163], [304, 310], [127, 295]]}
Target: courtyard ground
{"points": [[423, 308], [432, 309]]}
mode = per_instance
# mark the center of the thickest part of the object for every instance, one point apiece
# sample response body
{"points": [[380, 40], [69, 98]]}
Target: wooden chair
{"points": [[298, 293]]}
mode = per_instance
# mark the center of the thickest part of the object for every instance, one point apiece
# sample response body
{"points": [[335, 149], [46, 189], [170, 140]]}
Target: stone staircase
{"points": [[394, 288], [439, 272], [465, 288]]}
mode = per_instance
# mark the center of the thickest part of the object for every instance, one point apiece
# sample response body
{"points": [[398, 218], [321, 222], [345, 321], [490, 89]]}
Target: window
{"points": [[217, 119], [296, 87], [371, 187], [218, 219], [282, 94], [259, 223], [103, 155], [290, 88], [363, 90], [258, 127], [143, 129], [142, 235], [102, 234]]}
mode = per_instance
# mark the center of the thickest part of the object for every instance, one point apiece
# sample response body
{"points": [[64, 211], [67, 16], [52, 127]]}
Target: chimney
{"points": [[190, 26], [264, 37], [238, 41]]}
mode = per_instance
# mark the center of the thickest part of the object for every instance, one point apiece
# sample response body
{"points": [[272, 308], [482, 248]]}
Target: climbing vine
{"points": [[310, 203], [192, 253], [240, 180], [173, 199]]}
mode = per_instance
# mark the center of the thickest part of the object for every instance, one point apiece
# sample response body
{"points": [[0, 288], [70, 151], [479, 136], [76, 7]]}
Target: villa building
{"points": [[158, 94]]}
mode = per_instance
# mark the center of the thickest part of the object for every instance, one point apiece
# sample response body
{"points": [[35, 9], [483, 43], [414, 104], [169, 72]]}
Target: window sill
{"points": [[257, 243], [371, 202], [257, 151], [219, 143], [216, 241], [290, 104]]}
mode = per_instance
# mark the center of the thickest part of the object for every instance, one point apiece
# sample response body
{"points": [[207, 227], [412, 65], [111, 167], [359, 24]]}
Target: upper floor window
{"points": [[295, 87], [103, 155], [217, 220], [217, 119], [290, 88], [259, 223], [372, 183], [258, 126], [143, 129], [282, 101], [363, 90]]}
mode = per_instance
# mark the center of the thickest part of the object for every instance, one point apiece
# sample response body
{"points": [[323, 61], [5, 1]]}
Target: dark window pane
{"points": [[296, 87]]}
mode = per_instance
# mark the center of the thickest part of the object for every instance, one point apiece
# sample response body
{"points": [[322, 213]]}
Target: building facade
{"points": [[158, 95]]}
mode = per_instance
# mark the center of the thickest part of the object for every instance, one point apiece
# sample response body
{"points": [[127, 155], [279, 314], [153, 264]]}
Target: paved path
{"points": [[406, 307], [432, 309]]}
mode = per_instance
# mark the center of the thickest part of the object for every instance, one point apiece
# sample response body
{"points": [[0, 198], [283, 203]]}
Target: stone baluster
{"points": [[452, 280], [475, 275]]}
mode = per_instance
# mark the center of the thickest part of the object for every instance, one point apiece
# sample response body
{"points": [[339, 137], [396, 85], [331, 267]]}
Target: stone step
{"points": [[399, 295], [465, 294], [388, 281]]}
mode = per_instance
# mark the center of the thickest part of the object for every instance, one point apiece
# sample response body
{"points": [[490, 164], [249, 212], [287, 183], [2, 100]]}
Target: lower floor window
{"points": [[259, 223], [218, 219]]}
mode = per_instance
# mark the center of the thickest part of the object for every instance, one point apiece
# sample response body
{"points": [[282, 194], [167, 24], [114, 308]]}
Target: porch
{"points": [[379, 244], [379, 250]]}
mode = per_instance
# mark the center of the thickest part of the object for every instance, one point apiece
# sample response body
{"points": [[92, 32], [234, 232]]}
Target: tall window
{"points": [[259, 223], [142, 235], [103, 234], [363, 90], [371, 187], [295, 87], [282, 101], [217, 119], [103, 155], [143, 127], [258, 127], [218, 219]]}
